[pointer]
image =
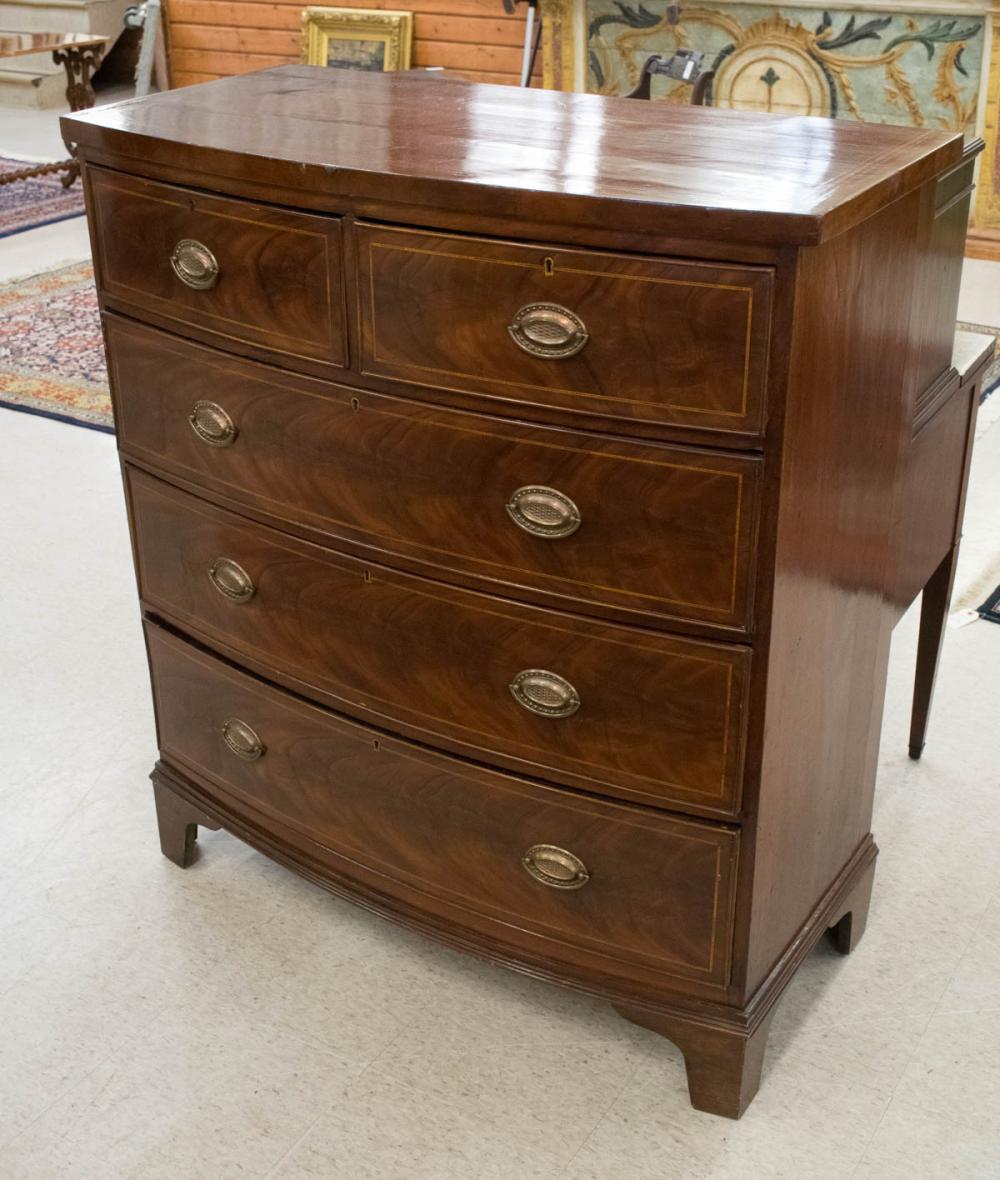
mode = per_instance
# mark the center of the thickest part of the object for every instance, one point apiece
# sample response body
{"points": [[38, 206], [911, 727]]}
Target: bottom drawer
{"points": [[522, 868]]}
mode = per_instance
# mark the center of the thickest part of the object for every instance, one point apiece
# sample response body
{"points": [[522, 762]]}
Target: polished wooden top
{"points": [[16, 44], [546, 155], [973, 350]]}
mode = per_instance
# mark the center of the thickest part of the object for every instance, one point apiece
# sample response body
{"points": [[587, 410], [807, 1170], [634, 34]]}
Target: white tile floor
{"points": [[233, 1021]]}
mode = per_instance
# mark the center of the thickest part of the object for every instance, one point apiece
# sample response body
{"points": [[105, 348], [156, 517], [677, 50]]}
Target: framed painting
{"points": [[357, 38]]}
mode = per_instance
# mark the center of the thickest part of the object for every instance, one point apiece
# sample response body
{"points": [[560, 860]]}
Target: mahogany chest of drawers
{"points": [[512, 482]]}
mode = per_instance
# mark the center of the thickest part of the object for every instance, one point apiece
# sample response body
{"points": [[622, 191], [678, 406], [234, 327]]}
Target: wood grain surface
{"points": [[452, 835], [669, 341], [661, 719], [827, 652], [436, 145], [667, 532], [218, 38], [280, 282]]}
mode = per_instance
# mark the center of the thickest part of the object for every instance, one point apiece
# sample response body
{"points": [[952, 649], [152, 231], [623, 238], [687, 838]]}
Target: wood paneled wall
{"points": [[215, 38]]}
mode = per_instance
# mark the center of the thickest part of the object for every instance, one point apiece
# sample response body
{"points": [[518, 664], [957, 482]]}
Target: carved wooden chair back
{"points": [[685, 66]]}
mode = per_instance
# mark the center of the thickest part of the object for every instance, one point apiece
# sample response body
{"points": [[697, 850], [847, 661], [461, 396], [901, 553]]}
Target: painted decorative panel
{"points": [[988, 204], [920, 69]]}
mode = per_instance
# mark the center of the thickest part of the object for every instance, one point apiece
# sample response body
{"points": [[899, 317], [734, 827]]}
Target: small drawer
{"points": [[636, 529], [628, 712], [653, 340], [534, 870], [232, 272]]}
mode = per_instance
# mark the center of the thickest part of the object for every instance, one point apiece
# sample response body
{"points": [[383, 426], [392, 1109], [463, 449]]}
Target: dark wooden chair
{"points": [[685, 66]]}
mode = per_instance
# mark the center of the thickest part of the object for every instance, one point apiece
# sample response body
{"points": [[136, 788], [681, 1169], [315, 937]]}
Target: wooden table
{"points": [[928, 527], [80, 54]]}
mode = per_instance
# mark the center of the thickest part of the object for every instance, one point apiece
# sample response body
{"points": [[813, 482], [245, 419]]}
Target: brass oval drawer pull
{"points": [[231, 580], [212, 424], [548, 330], [242, 740], [544, 693], [543, 512], [555, 867], [195, 265]]}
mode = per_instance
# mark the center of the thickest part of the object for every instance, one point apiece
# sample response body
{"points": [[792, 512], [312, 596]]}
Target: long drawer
{"points": [[639, 530], [537, 869], [617, 336], [627, 712], [233, 272]]}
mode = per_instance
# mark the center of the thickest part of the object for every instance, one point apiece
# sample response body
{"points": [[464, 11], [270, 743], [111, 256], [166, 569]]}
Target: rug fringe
{"points": [[9, 233], [57, 417]]}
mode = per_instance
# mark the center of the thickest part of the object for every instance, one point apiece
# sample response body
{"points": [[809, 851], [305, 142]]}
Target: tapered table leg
{"points": [[934, 605], [81, 63]]}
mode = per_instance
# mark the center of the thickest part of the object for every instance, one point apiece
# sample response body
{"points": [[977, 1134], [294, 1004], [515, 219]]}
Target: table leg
{"points": [[80, 64], [934, 604]]}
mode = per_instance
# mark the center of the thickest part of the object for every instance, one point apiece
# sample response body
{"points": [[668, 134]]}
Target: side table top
{"points": [[973, 350], [16, 44]]}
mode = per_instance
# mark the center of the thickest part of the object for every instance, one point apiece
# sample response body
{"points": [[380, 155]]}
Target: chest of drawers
{"points": [[512, 480]]}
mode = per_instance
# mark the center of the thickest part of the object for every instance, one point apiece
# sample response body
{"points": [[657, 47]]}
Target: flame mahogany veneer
{"points": [[618, 730]]}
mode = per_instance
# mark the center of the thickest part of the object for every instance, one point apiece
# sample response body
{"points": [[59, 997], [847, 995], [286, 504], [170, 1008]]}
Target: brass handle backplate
{"points": [[212, 424], [242, 740], [544, 693], [548, 330], [231, 580], [543, 512], [555, 867], [195, 265]]}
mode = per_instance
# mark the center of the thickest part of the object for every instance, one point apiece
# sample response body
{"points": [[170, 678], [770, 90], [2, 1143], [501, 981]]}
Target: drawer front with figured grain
{"points": [[627, 712], [654, 340], [618, 888], [231, 271], [636, 529]]}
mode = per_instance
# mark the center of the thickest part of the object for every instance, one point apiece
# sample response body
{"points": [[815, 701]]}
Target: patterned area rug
{"points": [[51, 349], [27, 204]]}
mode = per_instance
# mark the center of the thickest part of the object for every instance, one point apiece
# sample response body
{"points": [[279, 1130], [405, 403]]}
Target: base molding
{"points": [[846, 898], [723, 1045], [724, 1057]]}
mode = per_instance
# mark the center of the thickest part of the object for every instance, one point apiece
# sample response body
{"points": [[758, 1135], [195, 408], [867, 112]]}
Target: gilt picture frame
{"points": [[357, 38]]}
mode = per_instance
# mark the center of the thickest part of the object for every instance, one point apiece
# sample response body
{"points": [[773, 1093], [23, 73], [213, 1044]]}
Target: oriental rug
{"points": [[51, 350]]}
